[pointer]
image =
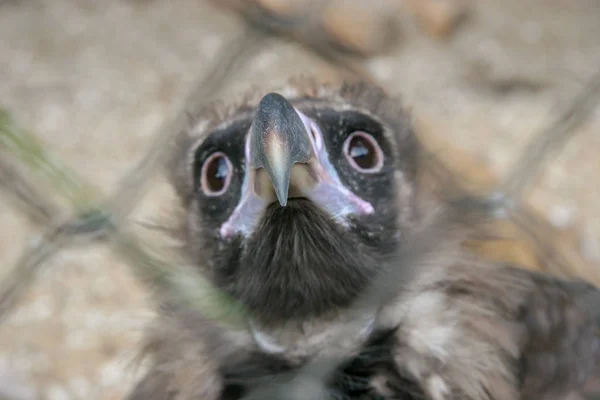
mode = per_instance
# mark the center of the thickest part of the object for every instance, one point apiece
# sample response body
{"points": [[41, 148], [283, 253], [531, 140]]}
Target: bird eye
{"points": [[216, 174], [363, 152]]}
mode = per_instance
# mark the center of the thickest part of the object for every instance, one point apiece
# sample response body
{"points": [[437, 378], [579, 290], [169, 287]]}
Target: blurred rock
{"points": [[353, 26], [366, 28], [561, 216], [287, 7], [590, 247], [439, 18], [15, 387]]}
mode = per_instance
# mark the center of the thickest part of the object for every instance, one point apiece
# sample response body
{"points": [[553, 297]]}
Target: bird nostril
{"points": [[312, 134]]}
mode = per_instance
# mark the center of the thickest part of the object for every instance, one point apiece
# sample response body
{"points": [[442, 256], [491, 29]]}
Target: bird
{"points": [[308, 205]]}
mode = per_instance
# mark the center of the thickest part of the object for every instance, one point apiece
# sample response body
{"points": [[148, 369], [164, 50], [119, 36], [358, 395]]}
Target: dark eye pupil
{"points": [[216, 173], [362, 152]]}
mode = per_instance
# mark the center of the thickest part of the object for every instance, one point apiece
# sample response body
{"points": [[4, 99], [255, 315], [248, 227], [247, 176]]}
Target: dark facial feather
{"points": [[300, 263]]}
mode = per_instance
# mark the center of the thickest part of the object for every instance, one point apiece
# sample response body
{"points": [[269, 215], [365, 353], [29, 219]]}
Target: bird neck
{"points": [[297, 340]]}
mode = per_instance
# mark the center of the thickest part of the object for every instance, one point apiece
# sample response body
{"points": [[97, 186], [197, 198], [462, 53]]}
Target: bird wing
{"points": [[181, 369], [185, 353], [486, 331]]}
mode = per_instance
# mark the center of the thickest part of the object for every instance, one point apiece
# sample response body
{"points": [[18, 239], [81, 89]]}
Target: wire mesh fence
{"points": [[104, 218]]}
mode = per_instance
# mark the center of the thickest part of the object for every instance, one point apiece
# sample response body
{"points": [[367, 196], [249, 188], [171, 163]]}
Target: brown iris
{"points": [[216, 174], [363, 152]]}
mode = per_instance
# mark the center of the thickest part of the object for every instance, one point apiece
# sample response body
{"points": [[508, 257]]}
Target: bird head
{"points": [[293, 200]]}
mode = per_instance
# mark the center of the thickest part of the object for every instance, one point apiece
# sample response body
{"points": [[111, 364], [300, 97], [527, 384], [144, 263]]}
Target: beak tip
{"points": [[282, 195]]}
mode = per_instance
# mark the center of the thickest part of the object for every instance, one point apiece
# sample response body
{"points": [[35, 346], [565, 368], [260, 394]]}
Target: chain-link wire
{"points": [[97, 218], [93, 216]]}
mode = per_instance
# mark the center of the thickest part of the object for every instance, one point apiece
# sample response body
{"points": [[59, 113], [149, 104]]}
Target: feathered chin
{"points": [[298, 263]]}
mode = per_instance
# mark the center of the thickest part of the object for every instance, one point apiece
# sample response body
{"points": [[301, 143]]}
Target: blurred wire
{"points": [[550, 140], [90, 221]]}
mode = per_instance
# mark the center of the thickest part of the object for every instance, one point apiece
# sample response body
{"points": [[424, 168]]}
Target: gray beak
{"points": [[278, 140]]}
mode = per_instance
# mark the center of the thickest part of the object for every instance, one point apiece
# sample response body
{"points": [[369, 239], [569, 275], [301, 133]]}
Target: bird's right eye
{"points": [[216, 174]]}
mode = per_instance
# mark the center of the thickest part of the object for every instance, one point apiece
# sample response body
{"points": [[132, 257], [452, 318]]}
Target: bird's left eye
{"points": [[363, 152], [216, 174]]}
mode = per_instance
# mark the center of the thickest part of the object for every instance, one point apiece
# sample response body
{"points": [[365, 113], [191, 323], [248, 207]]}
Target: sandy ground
{"points": [[95, 80]]}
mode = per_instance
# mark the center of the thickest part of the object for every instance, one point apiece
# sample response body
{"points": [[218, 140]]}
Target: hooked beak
{"points": [[286, 157], [278, 140]]}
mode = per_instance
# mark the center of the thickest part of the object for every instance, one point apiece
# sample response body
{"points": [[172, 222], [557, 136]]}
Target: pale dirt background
{"points": [[95, 79]]}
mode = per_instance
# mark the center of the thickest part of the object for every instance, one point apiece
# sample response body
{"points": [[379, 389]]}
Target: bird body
{"points": [[307, 206]]}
